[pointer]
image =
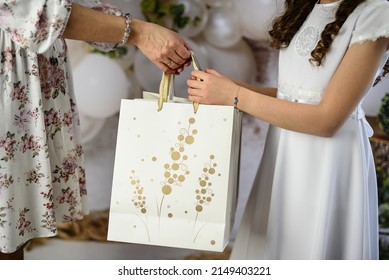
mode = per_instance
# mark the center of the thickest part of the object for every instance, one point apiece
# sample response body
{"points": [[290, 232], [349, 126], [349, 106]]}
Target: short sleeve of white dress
{"points": [[372, 23]]}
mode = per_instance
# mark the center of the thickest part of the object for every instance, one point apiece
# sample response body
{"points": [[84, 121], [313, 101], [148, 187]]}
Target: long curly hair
{"points": [[296, 12]]}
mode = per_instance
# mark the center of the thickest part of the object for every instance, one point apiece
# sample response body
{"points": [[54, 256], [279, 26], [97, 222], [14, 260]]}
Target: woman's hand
{"points": [[165, 48], [210, 87]]}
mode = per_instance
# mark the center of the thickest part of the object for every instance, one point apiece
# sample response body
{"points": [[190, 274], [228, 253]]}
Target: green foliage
{"points": [[159, 11], [383, 114], [383, 178], [384, 254], [177, 14], [383, 197], [153, 10]]}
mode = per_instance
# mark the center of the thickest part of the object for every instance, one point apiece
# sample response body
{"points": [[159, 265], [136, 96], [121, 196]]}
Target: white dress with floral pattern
{"points": [[42, 174]]}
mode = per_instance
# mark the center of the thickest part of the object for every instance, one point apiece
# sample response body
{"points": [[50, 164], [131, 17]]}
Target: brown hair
{"points": [[296, 12]]}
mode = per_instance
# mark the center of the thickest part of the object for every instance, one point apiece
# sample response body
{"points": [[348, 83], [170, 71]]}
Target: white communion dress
{"points": [[315, 197]]}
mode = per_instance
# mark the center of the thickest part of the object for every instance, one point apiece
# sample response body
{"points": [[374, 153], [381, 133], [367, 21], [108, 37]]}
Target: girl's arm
{"points": [[266, 91], [345, 90]]}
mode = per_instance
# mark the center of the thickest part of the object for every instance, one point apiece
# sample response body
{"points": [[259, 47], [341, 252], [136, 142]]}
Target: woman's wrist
{"points": [[136, 27]]}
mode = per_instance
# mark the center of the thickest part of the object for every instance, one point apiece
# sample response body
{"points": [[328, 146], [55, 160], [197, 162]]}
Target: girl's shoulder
{"points": [[370, 21]]}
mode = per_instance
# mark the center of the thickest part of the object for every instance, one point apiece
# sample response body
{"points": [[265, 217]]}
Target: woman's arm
{"points": [[345, 90], [90, 25], [162, 46]]}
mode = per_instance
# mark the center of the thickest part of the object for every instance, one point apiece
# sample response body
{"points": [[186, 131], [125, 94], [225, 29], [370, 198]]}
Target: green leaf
{"points": [[149, 6], [156, 11], [383, 114], [177, 10]]}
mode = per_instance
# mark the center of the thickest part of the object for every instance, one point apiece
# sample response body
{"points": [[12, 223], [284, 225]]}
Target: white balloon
{"points": [[372, 102], [77, 50], [217, 3], [89, 127], [99, 84], [223, 29], [197, 11], [130, 6], [256, 16], [237, 62]]}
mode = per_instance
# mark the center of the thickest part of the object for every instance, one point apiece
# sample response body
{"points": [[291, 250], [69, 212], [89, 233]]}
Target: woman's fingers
{"points": [[174, 53], [164, 68], [163, 47]]}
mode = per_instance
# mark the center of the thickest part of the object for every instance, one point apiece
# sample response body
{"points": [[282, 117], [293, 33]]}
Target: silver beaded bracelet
{"points": [[127, 30]]}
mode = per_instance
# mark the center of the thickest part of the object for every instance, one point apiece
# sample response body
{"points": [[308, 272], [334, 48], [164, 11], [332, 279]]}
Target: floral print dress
{"points": [[42, 174]]}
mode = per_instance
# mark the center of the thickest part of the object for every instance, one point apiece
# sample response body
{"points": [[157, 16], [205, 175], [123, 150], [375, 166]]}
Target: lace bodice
{"points": [[301, 81]]}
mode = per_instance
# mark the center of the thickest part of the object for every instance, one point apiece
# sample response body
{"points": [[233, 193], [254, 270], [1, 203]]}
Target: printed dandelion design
{"points": [[139, 200], [176, 171], [204, 193]]}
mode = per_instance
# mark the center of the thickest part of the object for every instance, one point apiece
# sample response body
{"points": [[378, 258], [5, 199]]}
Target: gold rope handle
{"points": [[167, 83], [164, 87]]}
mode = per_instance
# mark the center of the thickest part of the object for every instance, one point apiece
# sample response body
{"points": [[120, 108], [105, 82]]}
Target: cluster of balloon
{"points": [[100, 83], [216, 36]]}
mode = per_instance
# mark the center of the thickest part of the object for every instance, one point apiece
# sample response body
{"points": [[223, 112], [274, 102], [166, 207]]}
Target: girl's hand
{"points": [[210, 87]]}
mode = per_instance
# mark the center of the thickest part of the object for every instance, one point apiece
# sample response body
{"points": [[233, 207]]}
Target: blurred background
{"points": [[227, 35]]}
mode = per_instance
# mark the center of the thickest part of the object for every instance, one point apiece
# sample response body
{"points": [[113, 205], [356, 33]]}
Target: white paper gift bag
{"points": [[175, 174]]}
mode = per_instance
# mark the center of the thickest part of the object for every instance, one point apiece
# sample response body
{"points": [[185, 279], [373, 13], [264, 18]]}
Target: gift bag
{"points": [[175, 173]]}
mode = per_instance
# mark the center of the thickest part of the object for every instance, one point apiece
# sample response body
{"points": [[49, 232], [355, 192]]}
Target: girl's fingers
{"points": [[213, 72], [197, 74], [194, 84]]}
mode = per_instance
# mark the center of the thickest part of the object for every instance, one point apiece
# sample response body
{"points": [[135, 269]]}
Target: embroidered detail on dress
{"points": [[307, 40], [298, 94], [309, 36], [313, 97]]}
